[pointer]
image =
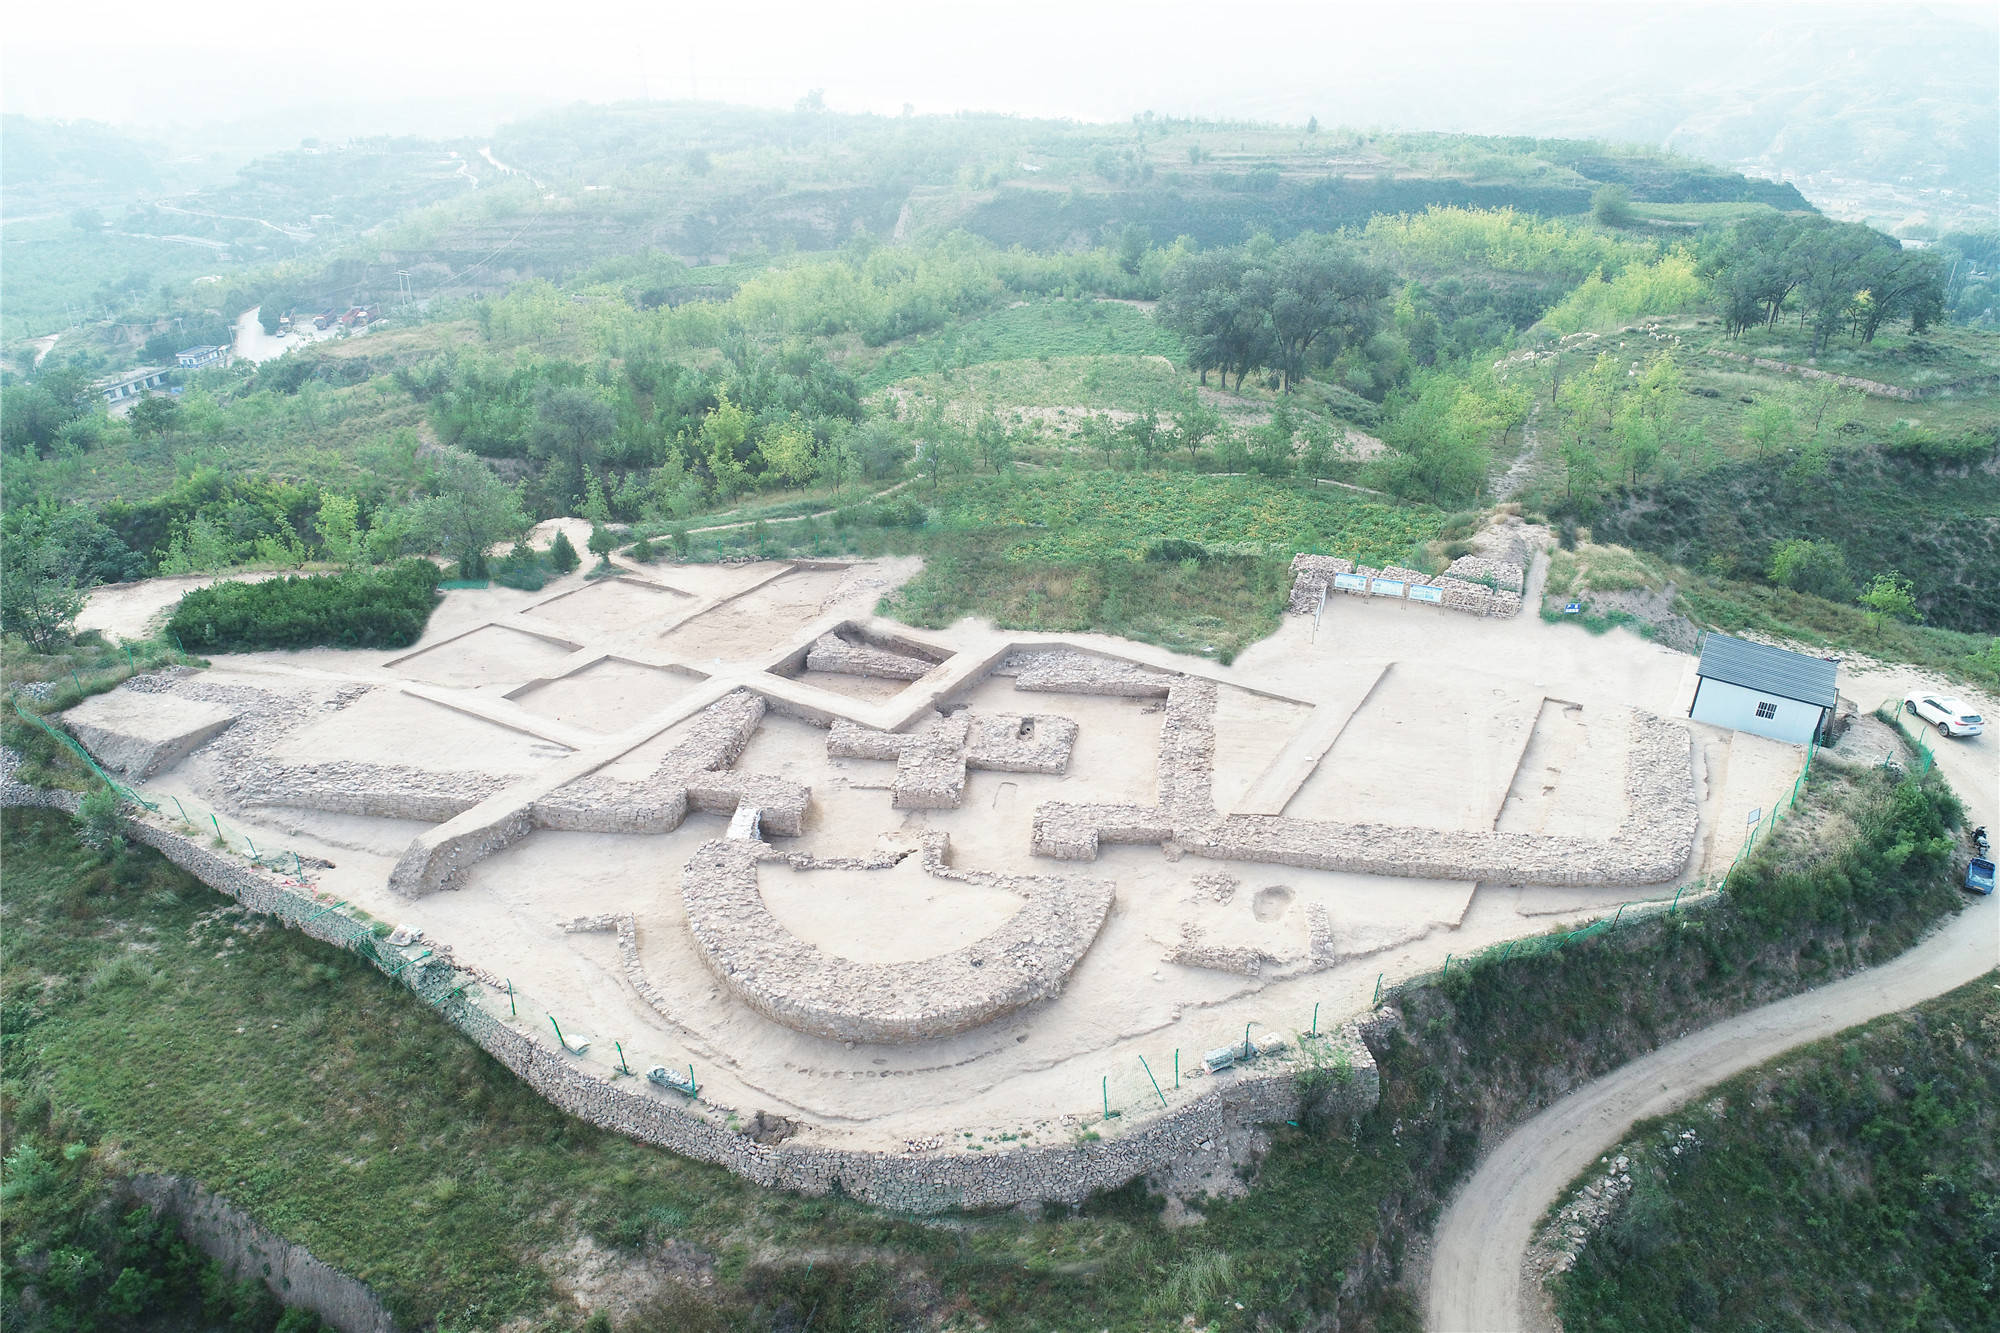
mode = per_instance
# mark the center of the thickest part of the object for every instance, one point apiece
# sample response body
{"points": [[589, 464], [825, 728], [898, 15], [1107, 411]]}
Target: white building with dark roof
{"points": [[1767, 691]]}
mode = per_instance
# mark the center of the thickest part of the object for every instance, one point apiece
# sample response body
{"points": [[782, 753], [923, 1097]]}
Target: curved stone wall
{"points": [[794, 982]]}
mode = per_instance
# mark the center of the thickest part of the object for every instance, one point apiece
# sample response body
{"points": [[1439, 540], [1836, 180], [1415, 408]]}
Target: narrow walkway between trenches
{"points": [[1477, 1279]]}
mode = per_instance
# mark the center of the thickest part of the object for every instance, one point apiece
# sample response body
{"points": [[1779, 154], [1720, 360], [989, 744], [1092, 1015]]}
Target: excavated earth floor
{"points": [[882, 956]]}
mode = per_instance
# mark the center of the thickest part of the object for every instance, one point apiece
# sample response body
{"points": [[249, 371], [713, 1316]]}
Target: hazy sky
{"points": [[1452, 66]]}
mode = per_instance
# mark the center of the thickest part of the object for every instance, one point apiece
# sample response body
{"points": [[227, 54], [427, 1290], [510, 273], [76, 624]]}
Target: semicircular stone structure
{"points": [[794, 982]]}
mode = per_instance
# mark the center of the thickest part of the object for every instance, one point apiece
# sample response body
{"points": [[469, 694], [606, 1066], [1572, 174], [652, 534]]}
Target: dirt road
{"points": [[1476, 1266]]}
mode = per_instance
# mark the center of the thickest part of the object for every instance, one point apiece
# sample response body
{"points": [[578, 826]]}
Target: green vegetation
{"points": [[163, 1031], [1035, 330], [366, 608], [1849, 1184], [1083, 548]]}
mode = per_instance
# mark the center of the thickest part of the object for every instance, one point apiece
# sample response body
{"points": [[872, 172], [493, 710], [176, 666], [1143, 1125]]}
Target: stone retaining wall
{"points": [[927, 1180], [794, 982]]}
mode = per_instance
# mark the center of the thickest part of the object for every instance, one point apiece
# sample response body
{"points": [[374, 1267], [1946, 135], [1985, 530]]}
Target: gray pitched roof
{"points": [[1778, 671]]}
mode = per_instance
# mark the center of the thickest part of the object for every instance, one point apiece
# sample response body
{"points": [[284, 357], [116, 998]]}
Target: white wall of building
{"points": [[1735, 707]]}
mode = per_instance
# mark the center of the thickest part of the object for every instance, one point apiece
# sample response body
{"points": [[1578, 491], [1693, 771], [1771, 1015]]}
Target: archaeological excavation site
{"points": [[718, 857]]}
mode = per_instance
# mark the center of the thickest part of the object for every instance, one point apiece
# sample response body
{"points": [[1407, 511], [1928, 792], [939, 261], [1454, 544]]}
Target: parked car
{"points": [[1947, 714]]}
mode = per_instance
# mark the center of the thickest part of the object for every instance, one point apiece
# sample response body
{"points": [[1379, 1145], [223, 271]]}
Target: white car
{"points": [[1947, 714]]}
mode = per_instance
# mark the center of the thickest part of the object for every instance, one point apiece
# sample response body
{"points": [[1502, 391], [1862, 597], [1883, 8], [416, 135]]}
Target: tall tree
{"points": [[469, 512]]}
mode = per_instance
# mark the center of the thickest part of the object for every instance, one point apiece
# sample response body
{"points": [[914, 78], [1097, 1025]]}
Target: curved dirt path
{"points": [[1476, 1265]]}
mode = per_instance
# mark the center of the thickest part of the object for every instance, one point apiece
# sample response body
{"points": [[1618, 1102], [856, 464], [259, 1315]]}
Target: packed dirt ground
{"points": [[1374, 713]]}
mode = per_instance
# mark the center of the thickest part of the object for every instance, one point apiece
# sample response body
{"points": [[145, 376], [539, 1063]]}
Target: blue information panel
{"points": [[1423, 593]]}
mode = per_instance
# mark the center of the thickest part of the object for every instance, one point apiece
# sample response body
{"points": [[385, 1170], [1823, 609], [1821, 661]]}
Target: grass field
{"points": [[1128, 384], [1854, 1183], [1029, 331]]}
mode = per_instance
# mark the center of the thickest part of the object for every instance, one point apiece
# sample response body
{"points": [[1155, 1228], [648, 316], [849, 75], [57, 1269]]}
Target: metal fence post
{"points": [[1378, 989], [1155, 1082]]}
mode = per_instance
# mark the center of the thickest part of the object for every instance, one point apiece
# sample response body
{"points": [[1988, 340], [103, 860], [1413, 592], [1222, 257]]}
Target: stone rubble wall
{"points": [[932, 760], [1652, 845], [830, 652], [1481, 569], [1068, 671], [920, 1180], [793, 982], [694, 775], [1487, 583], [1312, 577]]}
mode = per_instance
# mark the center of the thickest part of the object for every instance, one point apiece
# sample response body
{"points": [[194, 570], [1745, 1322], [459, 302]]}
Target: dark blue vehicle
{"points": [[1979, 875]]}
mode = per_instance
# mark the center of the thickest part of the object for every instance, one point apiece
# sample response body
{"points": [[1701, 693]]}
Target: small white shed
{"points": [[1768, 691]]}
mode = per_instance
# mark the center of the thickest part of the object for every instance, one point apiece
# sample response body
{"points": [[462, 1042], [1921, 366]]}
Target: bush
{"points": [[523, 568], [1173, 550], [1815, 567], [642, 551], [384, 608], [562, 554]]}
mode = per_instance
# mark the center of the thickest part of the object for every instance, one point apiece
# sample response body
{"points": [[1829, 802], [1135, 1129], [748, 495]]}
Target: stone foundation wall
{"points": [[696, 774], [847, 657], [1067, 671], [793, 982], [932, 760], [1652, 845]]}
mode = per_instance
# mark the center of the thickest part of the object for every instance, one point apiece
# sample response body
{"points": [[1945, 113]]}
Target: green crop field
{"points": [[1086, 516], [1036, 329]]}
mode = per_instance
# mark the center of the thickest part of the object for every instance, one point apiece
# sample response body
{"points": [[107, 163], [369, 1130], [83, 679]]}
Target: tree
{"points": [[562, 553], [1611, 206], [1322, 297], [790, 453], [154, 417], [339, 532], [1133, 243], [469, 511], [991, 441], [725, 446], [571, 425], [1312, 124], [1889, 595], [695, 162], [87, 219], [1195, 423], [1815, 567], [41, 595], [601, 541], [1770, 427]]}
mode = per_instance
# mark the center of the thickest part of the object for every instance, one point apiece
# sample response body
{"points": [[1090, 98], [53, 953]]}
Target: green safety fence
{"points": [[70, 743], [1926, 760]]}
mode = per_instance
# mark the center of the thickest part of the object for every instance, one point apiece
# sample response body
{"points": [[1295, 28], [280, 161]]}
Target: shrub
{"points": [[385, 608], [1173, 550], [1815, 567], [642, 551], [562, 554]]}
